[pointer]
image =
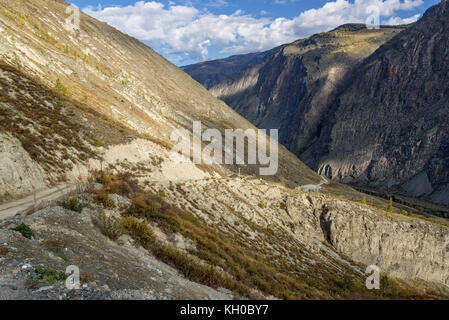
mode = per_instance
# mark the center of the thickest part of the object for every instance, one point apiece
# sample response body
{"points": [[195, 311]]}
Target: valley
{"points": [[89, 179]]}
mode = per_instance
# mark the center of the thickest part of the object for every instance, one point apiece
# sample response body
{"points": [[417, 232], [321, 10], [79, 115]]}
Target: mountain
{"points": [[211, 72], [96, 68], [88, 181], [292, 86], [388, 128]]}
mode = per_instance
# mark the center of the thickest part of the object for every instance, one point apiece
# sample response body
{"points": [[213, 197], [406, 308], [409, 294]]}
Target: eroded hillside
{"points": [[76, 108], [112, 76], [229, 237]]}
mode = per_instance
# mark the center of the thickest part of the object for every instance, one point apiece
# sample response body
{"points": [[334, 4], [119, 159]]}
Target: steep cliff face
{"points": [[292, 87], [389, 127], [402, 247], [18, 172]]}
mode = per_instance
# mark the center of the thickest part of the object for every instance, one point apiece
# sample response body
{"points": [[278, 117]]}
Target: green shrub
{"points": [[390, 205], [73, 204], [137, 229], [103, 199], [50, 276], [59, 87], [7, 14], [108, 226], [363, 200], [24, 229], [98, 143]]}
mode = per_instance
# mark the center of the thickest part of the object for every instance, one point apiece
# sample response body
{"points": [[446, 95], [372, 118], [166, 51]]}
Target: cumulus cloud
{"points": [[187, 32]]}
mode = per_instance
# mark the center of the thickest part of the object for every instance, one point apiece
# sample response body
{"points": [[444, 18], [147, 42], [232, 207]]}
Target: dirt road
{"points": [[11, 208]]}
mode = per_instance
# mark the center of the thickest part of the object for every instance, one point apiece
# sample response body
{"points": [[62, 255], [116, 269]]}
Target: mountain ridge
{"points": [[95, 109], [404, 98], [312, 67]]}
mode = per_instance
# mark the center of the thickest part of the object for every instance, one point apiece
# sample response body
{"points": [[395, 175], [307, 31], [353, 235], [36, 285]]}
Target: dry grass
{"points": [[220, 259], [51, 127]]}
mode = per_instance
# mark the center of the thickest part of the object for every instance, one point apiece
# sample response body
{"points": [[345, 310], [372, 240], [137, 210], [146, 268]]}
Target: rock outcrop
{"points": [[19, 174], [389, 126], [292, 86], [406, 247]]}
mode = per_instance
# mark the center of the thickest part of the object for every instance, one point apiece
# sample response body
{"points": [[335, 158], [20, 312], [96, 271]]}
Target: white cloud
{"points": [[186, 31], [398, 20]]}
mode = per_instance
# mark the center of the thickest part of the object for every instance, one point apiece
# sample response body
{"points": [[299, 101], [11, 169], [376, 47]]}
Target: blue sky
{"points": [[188, 31]]}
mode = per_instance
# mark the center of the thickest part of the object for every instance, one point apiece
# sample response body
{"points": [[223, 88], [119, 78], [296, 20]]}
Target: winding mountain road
{"points": [[12, 208]]}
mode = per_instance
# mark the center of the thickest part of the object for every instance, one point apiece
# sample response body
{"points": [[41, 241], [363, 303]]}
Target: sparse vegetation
{"points": [[24, 230], [107, 225], [243, 267], [59, 87], [390, 205], [49, 276], [73, 204], [103, 199], [137, 229]]}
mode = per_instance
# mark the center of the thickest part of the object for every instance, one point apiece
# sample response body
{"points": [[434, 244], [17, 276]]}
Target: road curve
{"points": [[11, 208]]}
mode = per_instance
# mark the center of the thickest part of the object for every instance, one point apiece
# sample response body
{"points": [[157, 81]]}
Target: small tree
{"points": [[364, 200], [60, 87], [390, 205], [282, 181]]}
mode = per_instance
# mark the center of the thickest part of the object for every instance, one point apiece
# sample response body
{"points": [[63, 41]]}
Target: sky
{"points": [[189, 31]]}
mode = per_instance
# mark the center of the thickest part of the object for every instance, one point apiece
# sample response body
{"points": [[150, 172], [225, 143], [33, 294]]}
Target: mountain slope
{"points": [[389, 127], [293, 86], [116, 76], [211, 72], [95, 109]]}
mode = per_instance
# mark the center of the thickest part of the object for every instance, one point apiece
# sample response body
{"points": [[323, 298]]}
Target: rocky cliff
{"points": [[389, 126], [292, 86]]}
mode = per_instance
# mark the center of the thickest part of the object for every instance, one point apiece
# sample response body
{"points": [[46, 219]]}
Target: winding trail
{"points": [[12, 208], [314, 187]]}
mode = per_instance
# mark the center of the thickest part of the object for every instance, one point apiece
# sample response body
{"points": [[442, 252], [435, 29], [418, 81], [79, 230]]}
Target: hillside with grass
{"points": [[77, 111]]}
